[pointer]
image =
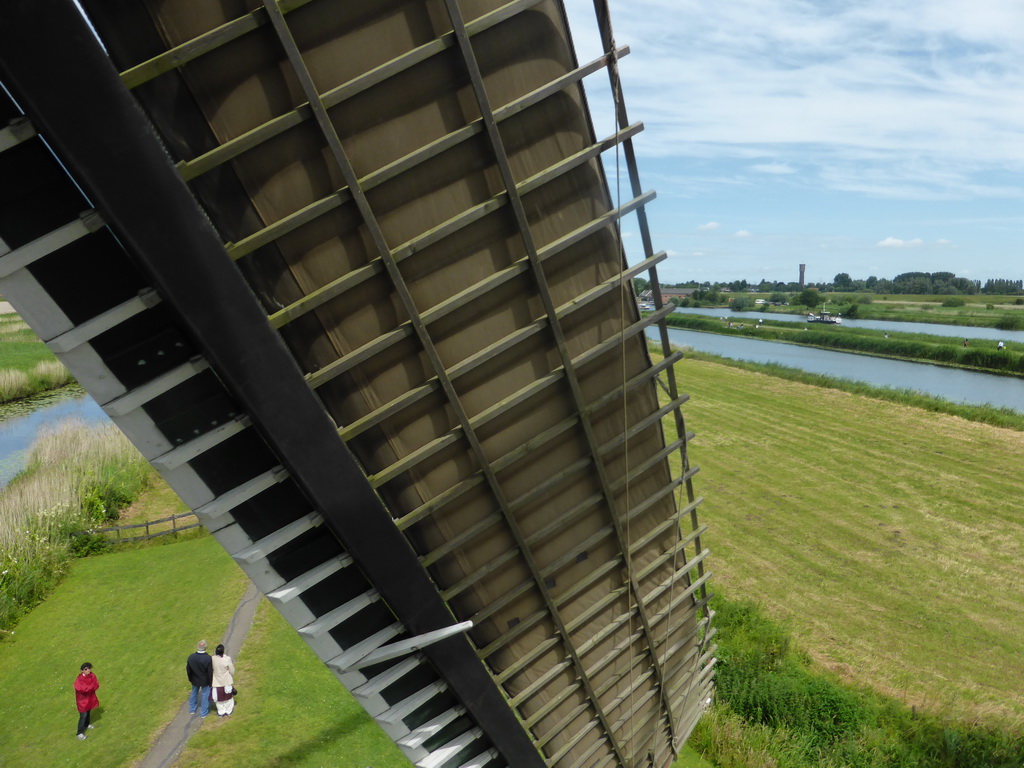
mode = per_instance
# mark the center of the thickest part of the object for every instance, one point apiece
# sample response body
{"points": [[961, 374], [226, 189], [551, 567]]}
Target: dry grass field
{"points": [[890, 539]]}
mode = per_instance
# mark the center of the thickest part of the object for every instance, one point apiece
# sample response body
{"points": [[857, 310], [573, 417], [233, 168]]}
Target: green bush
{"points": [[773, 707], [954, 301], [1010, 323], [85, 544]]}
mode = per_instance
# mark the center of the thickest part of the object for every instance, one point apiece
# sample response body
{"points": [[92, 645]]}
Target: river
{"points": [[952, 384], [22, 420], [955, 331]]}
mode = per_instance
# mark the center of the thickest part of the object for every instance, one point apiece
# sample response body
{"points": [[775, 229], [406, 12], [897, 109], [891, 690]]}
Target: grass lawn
{"points": [[889, 538], [690, 759], [291, 712], [135, 615]]}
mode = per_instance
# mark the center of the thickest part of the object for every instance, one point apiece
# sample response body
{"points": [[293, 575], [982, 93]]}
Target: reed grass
{"points": [[14, 384], [27, 366], [51, 374], [76, 476]]}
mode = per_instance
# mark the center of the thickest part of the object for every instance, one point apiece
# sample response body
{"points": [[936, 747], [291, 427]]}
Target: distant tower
{"points": [[803, 267]]}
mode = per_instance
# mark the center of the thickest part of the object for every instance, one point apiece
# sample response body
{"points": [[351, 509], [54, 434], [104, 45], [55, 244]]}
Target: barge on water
{"points": [[824, 317]]}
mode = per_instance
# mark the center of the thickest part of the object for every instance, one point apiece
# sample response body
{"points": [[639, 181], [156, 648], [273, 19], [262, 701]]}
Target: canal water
{"points": [[22, 420], [955, 331], [948, 383]]}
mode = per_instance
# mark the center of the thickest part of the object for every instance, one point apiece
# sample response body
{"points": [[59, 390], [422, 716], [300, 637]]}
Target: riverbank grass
{"points": [[981, 355], [76, 476], [135, 615], [981, 310], [27, 366]]}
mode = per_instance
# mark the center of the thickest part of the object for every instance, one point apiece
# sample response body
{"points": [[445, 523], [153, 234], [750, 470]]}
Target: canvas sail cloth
{"points": [[432, 241]]}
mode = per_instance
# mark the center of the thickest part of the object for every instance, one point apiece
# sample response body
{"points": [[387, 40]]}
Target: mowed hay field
{"points": [[888, 538]]}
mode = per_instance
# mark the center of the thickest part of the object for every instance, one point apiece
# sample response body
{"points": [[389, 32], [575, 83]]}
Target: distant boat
{"points": [[824, 317]]}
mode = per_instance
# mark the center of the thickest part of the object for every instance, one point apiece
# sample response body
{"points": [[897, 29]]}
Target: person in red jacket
{"points": [[85, 697]]}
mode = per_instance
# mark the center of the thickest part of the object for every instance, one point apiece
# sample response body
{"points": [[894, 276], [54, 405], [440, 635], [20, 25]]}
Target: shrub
{"points": [[774, 708], [954, 301], [1010, 323]]}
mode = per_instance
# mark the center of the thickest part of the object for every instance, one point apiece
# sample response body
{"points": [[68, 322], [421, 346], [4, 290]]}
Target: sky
{"points": [[871, 137]]}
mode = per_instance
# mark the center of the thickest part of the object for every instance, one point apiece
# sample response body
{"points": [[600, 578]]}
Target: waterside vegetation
{"points": [[27, 366], [978, 355], [76, 476]]}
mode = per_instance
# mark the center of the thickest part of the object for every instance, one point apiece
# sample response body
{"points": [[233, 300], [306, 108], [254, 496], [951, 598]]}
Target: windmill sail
{"points": [[348, 274]]}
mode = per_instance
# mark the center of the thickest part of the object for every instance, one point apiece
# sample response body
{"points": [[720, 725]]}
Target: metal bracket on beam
{"points": [[18, 130], [411, 645], [87, 223], [143, 394], [92, 328]]}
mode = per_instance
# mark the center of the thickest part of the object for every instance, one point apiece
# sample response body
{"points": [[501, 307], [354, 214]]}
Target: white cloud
{"points": [[942, 241], [778, 169], [708, 227], [929, 91], [895, 242], [742, 233]]}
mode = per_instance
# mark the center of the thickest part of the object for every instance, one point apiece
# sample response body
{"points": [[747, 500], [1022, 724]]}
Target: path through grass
{"points": [[291, 712], [136, 615]]}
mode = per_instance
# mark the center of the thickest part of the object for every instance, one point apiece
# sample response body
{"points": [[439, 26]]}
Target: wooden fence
{"points": [[174, 529]]}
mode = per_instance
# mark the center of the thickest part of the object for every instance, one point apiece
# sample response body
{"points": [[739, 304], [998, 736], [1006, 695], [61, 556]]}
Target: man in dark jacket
{"points": [[199, 669]]}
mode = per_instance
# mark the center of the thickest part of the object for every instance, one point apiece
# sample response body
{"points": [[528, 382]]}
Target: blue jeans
{"points": [[203, 692]]}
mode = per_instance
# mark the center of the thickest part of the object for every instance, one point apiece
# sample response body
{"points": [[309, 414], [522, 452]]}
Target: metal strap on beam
{"points": [[193, 448], [92, 328], [214, 513], [309, 579], [87, 223], [270, 543], [19, 129], [139, 396]]}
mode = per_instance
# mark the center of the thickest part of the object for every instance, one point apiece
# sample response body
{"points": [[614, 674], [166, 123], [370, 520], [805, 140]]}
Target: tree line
{"points": [[920, 283]]}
